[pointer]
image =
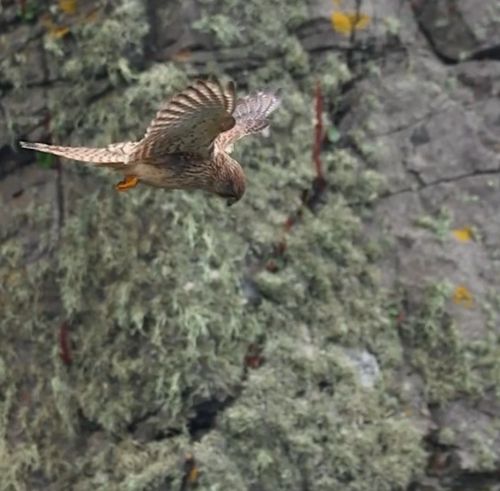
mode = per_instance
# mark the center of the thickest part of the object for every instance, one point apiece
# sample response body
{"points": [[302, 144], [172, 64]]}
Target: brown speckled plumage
{"points": [[187, 144]]}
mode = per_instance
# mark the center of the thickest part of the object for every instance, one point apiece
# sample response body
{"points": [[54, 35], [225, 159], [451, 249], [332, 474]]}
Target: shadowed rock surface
{"points": [[147, 334]]}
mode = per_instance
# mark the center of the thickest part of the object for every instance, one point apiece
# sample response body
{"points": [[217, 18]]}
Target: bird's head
{"points": [[230, 182]]}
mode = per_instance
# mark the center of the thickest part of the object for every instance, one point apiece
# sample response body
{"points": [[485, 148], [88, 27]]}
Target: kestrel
{"points": [[187, 144]]}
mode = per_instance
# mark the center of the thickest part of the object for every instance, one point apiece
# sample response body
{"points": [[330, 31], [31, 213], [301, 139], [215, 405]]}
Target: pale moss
{"points": [[320, 428], [12, 70], [223, 29], [483, 451], [447, 436], [254, 22], [149, 282], [450, 366], [15, 460], [107, 54], [439, 223]]}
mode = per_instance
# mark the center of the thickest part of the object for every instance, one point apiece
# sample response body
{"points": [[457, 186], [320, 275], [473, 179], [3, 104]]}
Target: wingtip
{"points": [[27, 145], [211, 79], [277, 94], [32, 145], [275, 100]]}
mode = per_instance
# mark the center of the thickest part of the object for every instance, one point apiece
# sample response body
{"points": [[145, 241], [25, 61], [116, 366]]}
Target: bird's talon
{"points": [[127, 183]]}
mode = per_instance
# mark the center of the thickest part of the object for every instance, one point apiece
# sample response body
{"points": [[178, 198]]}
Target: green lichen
{"points": [[149, 282], [483, 450], [440, 223], [108, 53], [221, 27], [451, 366]]}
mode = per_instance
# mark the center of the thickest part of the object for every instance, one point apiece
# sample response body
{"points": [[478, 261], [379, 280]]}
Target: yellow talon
{"points": [[127, 183]]}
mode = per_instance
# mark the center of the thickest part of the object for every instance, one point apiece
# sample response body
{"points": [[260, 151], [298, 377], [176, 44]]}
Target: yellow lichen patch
{"points": [[92, 15], [68, 6], [346, 22], [462, 296], [463, 234], [58, 32], [192, 472], [193, 475], [46, 21], [54, 31]]}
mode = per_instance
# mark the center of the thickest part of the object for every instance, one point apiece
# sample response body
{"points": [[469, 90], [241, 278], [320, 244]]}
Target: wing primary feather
{"points": [[216, 91], [197, 90], [189, 122], [230, 97], [189, 100], [207, 94]]}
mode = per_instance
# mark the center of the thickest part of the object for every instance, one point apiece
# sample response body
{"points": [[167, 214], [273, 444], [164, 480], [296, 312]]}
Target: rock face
{"points": [[320, 337], [460, 30]]}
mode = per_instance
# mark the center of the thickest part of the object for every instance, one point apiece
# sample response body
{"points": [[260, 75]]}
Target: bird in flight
{"points": [[187, 144]]}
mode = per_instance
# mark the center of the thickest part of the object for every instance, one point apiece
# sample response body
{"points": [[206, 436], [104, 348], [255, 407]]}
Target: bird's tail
{"points": [[252, 111], [111, 156], [251, 114]]}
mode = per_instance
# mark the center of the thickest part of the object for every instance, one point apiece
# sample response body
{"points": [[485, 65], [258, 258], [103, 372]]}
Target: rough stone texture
{"points": [[460, 29], [348, 364]]}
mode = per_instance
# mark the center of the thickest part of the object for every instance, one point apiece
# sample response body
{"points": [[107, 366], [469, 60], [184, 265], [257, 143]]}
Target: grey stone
{"points": [[366, 366], [459, 29], [473, 431]]}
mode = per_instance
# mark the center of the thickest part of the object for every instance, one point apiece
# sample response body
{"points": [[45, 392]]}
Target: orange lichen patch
{"points": [[346, 22], [272, 266], [463, 234], [92, 16], [191, 471], [462, 296], [182, 56], [58, 32], [46, 21], [193, 475], [54, 31], [254, 358], [68, 6], [128, 183]]}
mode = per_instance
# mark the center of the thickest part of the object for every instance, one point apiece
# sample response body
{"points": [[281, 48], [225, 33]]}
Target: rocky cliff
{"points": [[338, 329]]}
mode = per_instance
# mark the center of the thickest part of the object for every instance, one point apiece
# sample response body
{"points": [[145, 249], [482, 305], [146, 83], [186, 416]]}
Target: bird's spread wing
{"points": [[251, 114], [111, 156], [189, 122]]}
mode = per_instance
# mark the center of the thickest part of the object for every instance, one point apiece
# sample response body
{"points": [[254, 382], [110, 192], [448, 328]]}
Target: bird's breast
{"points": [[172, 172]]}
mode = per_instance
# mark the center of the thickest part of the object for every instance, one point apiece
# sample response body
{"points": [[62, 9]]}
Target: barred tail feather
{"points": [[103, 156], [257, 107], [251, 115]]}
